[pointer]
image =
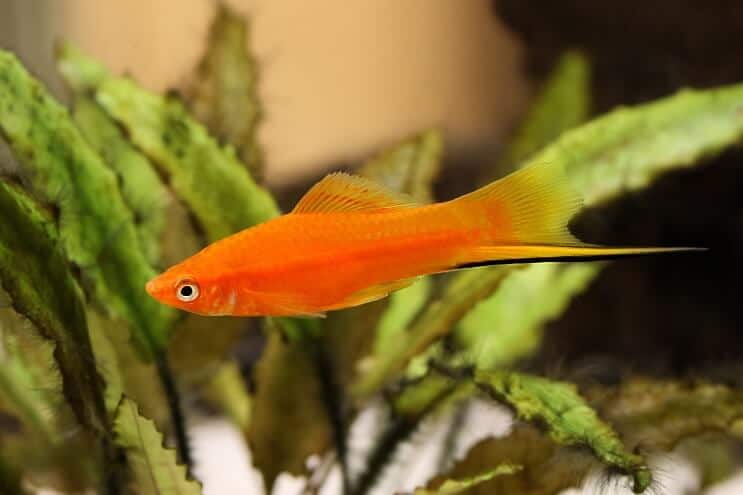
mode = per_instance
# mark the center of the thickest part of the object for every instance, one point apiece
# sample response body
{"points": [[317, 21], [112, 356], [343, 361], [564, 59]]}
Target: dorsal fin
{"points": [[341, 192]]}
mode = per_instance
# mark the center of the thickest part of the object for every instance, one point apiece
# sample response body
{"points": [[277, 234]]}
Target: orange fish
{"points": [[350, 241]]}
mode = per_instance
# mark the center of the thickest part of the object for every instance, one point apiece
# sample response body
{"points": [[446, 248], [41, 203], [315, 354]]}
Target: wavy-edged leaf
{"points": [[567, 417], [82, 74], [34, 272], [624, 150], [125, 372], [151, 202], [562, 103], [96, 227], [39, 427], [224, 94], [193, 350], [547, 468], [155, 468], [508, 325], [658, 414], [628, 148], [465, 290], [455, 486], [411, 166], [30, 382], [208, 177], [141, 188], [289, 421], [403, 307], [36, 276]]}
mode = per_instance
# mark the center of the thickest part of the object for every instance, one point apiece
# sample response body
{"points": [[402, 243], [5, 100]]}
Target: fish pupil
{"points": [[186, 291]]}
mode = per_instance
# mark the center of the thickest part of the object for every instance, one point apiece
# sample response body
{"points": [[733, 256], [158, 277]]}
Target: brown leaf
{"points": [[289, 421]]}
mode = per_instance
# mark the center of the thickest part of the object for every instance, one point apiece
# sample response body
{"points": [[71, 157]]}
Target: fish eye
{"points": [[187, 291]]}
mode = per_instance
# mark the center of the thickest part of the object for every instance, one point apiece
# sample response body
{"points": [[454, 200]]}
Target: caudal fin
{"points": [[530, 210]]}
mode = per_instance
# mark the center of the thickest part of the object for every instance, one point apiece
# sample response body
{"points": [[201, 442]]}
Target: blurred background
{"points": [[340, 80]]}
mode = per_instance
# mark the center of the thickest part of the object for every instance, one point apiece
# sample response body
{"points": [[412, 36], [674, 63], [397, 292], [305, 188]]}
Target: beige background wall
{"points": [[339, 78]]}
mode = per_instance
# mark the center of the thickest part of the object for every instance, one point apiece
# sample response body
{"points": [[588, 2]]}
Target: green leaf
{"points": [[36, 276], [34, 272], [605, 158], [567, 417], [289, 420], [404, 305], [562, 103], [30, 382], [153, 205], [411, 166], [622, 151], [123, 370], [508, 325], [464, 291], [155, 468], [455, 486], [224, 95], [82, 74], [628, 148], [141, 188], [428, 391], [107, 357], [39, 426], [96, 227], [208, 177]]}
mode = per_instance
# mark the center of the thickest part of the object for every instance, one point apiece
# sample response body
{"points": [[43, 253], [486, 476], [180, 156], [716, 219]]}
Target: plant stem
{"points": [[114, 462], [333, 401], [398, 431], [177, 417]]}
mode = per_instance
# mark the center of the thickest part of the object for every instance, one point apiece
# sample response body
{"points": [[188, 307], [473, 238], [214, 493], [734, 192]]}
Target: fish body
{"points": [[349, 241]]}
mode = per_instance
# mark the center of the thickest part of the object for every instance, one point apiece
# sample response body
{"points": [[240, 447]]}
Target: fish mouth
{"points": [[151, 287]]}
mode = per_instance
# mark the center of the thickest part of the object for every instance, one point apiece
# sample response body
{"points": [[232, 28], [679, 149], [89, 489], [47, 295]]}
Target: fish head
{"points": [[182, 287]]}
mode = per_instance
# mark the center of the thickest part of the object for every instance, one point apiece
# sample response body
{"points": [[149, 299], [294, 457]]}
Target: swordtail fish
{"points": [[350, 241]]}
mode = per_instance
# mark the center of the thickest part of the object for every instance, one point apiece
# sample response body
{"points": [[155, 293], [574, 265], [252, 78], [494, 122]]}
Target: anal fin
{"points": [[372, 293]]}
